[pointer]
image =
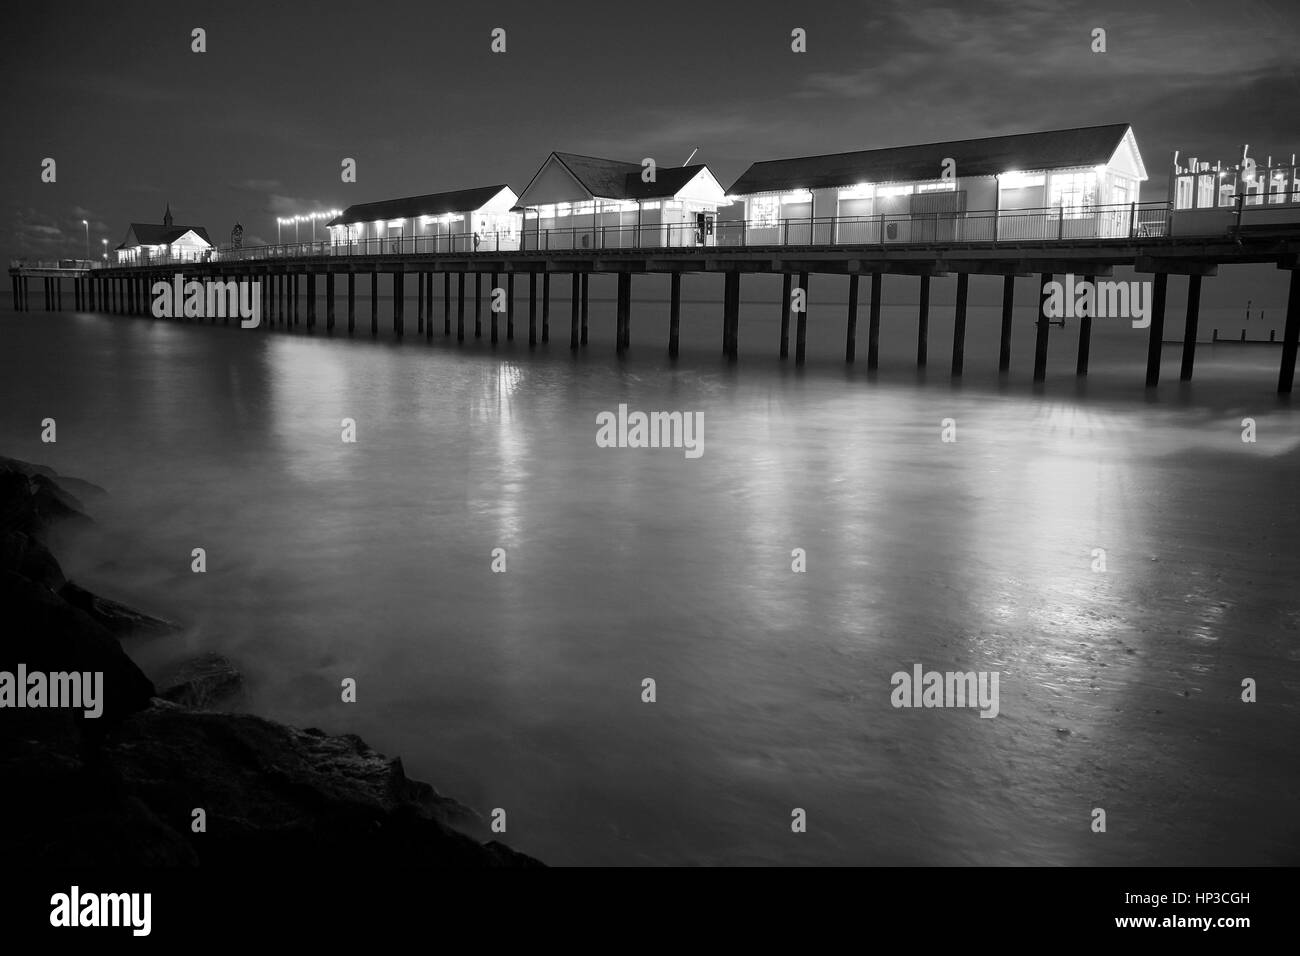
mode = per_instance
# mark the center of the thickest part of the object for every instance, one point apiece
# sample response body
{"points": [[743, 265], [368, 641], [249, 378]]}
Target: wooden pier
{"points": [[126, 289]]}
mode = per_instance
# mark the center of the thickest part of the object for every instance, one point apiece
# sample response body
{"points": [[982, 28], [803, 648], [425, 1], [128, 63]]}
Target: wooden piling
{"points": [[311, 300], [959, 325], [873, 325], [329, 302], [851, 328], [478, 305], [460, 307], [786, 282], [510, 307], [492, 306], [1041, 329], [352, 302], [374, 303], [546, 307], [923, 324], [532, 309], [1085, 330], [1189, 329], [585, 285], [573, 320], [428, 306], [674, 314], [1290, 336], [446, 303], [1156, 332], [801, 326], [399, 303]]}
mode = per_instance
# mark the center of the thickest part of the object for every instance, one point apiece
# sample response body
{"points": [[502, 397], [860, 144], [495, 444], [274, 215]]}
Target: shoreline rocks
{"points": [[124, 788]]}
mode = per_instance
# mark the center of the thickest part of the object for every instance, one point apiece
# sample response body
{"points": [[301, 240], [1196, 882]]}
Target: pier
{"points": [[290, 273]]}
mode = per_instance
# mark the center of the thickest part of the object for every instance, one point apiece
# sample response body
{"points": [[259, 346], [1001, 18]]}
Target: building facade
{"points": [[167, 242], [465, 220], [1077, 183], [584, 202]]}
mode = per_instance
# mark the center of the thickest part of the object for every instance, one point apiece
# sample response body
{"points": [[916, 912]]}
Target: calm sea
{"points": [[523, 690]]}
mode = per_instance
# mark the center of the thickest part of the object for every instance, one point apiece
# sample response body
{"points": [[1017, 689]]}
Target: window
{"points": [[1075, 193], [1205, 191], [860, 191], [764, 210], [650, 205], [937, 187], [884, 191], [1021, 180]]}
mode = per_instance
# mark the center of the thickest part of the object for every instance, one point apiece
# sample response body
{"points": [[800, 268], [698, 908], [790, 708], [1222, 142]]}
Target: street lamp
{"points": [[105, 242], [87, 225]]}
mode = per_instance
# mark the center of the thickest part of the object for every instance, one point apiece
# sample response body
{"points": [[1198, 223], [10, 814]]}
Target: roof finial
{"points": [[167, 215]]}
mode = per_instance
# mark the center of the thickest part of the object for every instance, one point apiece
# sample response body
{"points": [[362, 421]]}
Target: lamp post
{"points": [[105, 242], [87, 225], [279, 221]]}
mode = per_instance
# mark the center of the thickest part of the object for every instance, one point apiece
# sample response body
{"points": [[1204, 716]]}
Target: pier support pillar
{"points": [[352, 302], [873, 328], [1085, 330], [1041, 329], [1004, 349], [428, 306], [510, 307], [419, 302], [492, 306], [959, 326], [851, 327], [460, 307], [573, 320], [923, 324], [446, 303], [399, 304], [623, 334], [1189, 330], [1156, 333], [1290, 336], [674, 314], [478, 305], [311, 300], [374, 303], [731, 317], [297, 297], [532, 309], [329, 302], [546, 307], [801, 325], [786, 283], [586, 277]]}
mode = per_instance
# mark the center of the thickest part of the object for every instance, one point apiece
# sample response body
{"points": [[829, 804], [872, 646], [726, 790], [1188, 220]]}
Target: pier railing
{"points": [[1125, 222]]}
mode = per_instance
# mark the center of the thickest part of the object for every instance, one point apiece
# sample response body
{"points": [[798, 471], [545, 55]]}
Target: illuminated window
{"points": [[797, 195], [764, 210], [1183, 193], [562, 209], [860, 191], [650, 205], [885, 191], [1205, 191], [1021, 180], [947, 187], [1076, 193]]}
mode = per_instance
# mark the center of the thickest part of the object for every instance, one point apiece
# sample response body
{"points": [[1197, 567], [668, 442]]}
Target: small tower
{"points": [[167, 215]]}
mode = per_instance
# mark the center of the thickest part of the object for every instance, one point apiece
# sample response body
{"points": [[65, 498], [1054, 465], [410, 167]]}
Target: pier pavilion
{"points": [[583, 202], [464, 220], [845, 198], [149, 242]]}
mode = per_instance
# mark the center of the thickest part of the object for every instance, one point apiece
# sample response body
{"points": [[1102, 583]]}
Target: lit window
{"points": [[562, 209], [1183, 193], [1076, 193], [650, 205], [797, 195], [860, 191], [1021, 180], [764, 210], [947, 187], [1205, 191], [885, 191]]}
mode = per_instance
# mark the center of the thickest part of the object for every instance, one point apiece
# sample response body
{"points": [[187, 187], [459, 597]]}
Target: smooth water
{"points": [[522, 690]]}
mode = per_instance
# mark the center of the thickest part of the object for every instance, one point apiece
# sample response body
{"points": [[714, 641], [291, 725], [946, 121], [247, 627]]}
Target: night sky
{"points": [[256, 127]]}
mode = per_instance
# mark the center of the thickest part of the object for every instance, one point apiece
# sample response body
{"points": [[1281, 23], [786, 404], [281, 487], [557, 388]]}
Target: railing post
{"points": [[1060, 223], [1132, 220]]}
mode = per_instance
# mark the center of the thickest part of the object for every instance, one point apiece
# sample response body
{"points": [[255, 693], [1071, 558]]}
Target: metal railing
{"points": [[1127, 222], [79, 265]]}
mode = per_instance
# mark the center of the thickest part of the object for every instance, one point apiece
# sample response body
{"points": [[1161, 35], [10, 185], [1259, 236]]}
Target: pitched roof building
{"points": [[435, 222], [145, 241]]}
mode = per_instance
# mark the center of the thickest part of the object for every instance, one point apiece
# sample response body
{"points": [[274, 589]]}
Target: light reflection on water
{"points": [[522, 690]]}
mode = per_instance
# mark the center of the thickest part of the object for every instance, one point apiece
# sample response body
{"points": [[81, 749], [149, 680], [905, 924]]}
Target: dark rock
{"points": [[275, 794], [203, 682], [31, 500], [120, 619], [27, 557]]}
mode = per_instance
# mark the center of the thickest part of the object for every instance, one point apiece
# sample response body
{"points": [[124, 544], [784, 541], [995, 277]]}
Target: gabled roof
{"points": [[433, 204], [1054, 149], [614, 179], [152, 234]]}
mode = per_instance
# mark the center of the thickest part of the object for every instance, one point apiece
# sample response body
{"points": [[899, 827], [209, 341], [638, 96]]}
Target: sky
{"points": [[257, 126]]}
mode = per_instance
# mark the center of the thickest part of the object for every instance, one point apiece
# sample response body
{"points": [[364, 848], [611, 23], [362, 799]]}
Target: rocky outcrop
{"points": [[123, 789]]}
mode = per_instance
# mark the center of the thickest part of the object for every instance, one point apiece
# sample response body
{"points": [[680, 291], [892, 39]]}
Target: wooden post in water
{"points": [[674, 313], [419, 302], [624, 312], [428, 306], [1156, 334], [446, 303], [959, 327], [352, 302], [786, 282], [585, 297], [1008, 305], [801, 320], [1189, 330], [297, 310], [1040, 337], [329, 302], [1290, 336], [460, 308], [1085, 329], [873, 325], [492, 306], [851, 329], [923, 324], [510, 307], [573, 320], [478, 304], [399, 303], [546, 307], [532, 309], [374, 302], [311, 300]]}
